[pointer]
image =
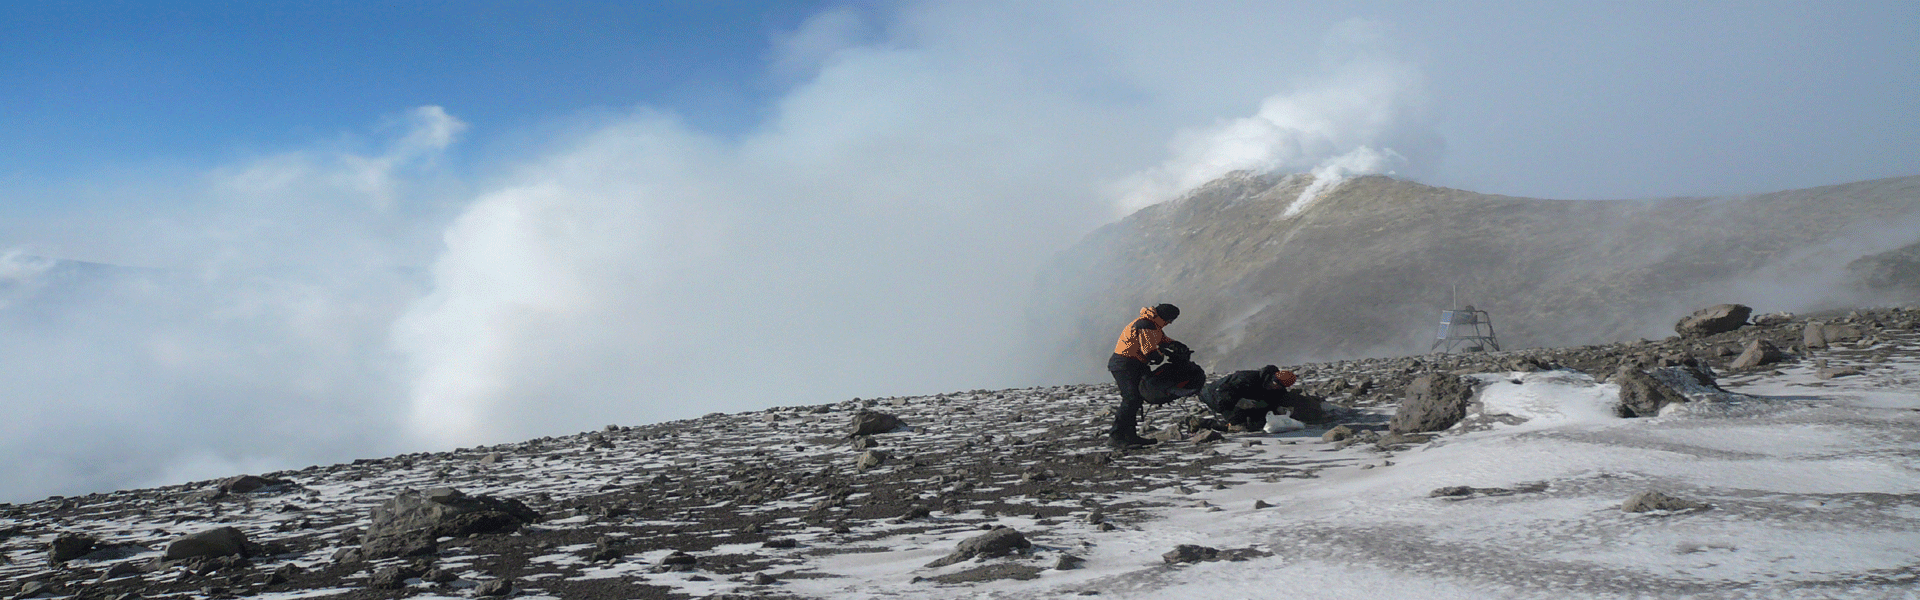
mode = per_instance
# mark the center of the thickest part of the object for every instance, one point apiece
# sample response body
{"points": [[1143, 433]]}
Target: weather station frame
{"points": [[1467, 328]]}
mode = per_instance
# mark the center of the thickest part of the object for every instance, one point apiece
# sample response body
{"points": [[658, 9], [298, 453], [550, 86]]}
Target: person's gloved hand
{"points": [[1248, 404]]}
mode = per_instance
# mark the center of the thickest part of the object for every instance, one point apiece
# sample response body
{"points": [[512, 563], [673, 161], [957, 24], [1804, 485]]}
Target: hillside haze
{"points": [[1367, 266]]}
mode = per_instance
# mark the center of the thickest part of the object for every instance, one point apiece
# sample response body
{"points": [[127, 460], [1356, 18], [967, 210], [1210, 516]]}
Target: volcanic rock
{"points": [[871, 459], [1189, 553], [869, 423], [1818, 334], [401, 524], [1645, 393], [1651, 501], [1433, 402], [69, 546], [242, 484], [497, 587], [1758, 352], [1719, 318], [993, 544], [222, 541]]}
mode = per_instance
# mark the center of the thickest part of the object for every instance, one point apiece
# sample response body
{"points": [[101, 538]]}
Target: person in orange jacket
{"points": [[1133, 356]]}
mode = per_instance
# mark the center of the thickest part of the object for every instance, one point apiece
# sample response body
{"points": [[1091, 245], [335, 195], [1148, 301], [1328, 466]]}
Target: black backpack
{"points": [[1175, 379]]}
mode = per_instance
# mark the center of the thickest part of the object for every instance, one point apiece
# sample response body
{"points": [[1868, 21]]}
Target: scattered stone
{"points": [[1338, 433], [1207, 436], [120, 569], [871, 459], [992, 572], [1652, 501], [36, 589], [1434, 402], [497, 587], [1833, 372], [606, 549], [1189, 553], [1452, 490], [1068, 562], [780, 543], [678, 558], [347, 555], [763, 579], [1814, 335], [1259, 504], [1719, 318], [395, 577], [863, 442], [993, 544]]}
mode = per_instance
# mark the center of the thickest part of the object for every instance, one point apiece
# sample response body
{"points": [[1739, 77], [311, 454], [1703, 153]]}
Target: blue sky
{"points": [[97, 82], [387, 227]]}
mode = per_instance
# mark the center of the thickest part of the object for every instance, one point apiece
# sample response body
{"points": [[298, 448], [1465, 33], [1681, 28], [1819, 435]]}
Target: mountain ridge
{"points": [[1366, 268]]}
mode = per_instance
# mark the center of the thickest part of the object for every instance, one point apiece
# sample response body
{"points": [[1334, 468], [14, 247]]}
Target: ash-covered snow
{"points": [[1809, 488]]}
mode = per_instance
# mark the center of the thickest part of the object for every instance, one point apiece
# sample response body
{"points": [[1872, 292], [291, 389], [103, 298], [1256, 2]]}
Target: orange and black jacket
{"points": [[1139, 343]]}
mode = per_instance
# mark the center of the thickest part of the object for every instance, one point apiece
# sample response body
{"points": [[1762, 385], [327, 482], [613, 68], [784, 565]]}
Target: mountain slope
{"points": [[1366, 268], [1806, 491]]}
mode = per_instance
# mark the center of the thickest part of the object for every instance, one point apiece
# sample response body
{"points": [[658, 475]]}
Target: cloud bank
{"points": [[875, 235], [1364, 112]]}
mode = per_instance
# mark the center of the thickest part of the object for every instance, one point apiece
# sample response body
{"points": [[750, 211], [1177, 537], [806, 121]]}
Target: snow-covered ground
{"points": [[1810, 487], [1813, 491]]}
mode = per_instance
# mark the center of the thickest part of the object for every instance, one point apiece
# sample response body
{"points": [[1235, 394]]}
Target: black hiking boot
{"points": [[1126, 441]]}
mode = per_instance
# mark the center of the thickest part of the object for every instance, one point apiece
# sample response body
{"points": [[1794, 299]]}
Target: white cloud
{"points": [[875, 236], [801, 54], [262, 342], [1364, 113]]}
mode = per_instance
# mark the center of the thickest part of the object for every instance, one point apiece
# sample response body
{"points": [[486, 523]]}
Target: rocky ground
{"points": [[784, 502]]}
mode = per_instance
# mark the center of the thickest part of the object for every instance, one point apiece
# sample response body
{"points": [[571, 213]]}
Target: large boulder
{"points": [[409, 522], [243, 484], [992, 544], [212, 543], [1821, 334], [1719, 318], [1646, 393], [69, 546], [1433, 402], [1758, 353], [869, 423]]}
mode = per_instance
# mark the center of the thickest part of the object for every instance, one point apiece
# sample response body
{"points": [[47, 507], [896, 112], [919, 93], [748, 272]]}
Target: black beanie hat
{"points": [[1167, 312], [1268, 371]]}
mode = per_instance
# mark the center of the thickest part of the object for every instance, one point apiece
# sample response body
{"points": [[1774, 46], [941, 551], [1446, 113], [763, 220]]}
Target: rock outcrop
{"points": [[1433, 402], [409, 523]]}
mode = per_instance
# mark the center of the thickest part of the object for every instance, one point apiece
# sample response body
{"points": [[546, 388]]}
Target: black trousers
{"points": [[1127, 374]]}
